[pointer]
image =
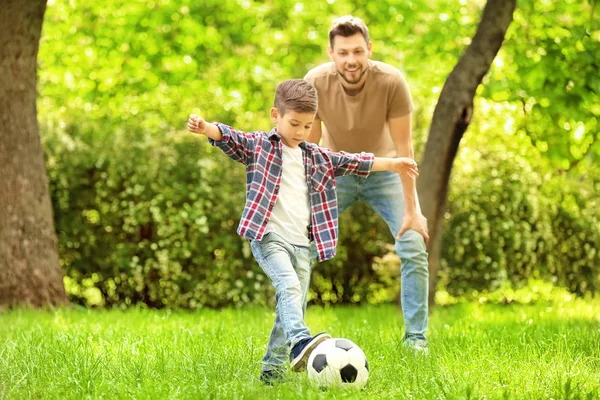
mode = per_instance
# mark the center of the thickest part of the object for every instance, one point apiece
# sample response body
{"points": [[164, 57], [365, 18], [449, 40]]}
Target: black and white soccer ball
{"points": [[338, 362]]}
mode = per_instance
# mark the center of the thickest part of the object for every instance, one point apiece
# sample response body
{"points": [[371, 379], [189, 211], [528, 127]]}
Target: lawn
{"points": [[540, 351]]}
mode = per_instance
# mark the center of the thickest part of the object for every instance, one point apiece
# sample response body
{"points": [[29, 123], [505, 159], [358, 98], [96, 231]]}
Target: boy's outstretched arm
{"points": [[197, 124]]}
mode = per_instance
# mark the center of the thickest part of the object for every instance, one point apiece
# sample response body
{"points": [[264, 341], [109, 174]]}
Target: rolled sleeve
{"points": [[359, 164], [237, 145], [225, 131]]}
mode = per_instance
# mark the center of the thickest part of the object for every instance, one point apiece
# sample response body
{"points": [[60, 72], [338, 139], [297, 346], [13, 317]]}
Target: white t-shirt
{"points": [[291, 212]]}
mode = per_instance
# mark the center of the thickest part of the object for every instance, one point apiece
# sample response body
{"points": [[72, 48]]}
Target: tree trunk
{"points": [[30, 273], [450, 120]]}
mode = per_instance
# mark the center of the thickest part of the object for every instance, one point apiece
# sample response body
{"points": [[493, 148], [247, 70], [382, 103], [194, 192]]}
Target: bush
{"points": [[365, 268], [151, 220], [497, 225], [509, 221], [575, 260]]}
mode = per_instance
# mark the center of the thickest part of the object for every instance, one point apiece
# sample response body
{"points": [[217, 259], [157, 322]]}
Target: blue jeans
{"points": [[288, 267], [382, 191]]}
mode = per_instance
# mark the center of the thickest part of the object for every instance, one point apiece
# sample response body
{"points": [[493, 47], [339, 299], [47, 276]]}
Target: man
{"points": [[365, 105]]}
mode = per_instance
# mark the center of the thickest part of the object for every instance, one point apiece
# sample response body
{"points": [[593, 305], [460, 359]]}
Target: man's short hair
{"points": [[296, 95], [347, 26]]}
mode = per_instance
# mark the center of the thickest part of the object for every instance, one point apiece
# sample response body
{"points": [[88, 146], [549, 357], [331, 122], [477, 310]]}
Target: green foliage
{"points": [[497, 227], [365, 268], [509, 219], [535, 291], [548, 66], [576, 225], [143, 221], [146, 214]]}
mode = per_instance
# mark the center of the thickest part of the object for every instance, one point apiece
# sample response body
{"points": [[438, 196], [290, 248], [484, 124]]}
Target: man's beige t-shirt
{"points": [[359, 123]]}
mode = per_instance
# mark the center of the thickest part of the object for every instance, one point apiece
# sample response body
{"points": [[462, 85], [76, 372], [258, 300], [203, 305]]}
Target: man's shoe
{"points": [[272, 377], [301, 351], [417, 345]]}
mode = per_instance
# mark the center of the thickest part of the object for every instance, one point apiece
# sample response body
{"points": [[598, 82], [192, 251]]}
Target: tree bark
{"points": [[30, 273], [451, 118]]}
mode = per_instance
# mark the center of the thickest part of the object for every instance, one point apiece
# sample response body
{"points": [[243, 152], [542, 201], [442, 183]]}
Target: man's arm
{"points": [[401, 165], [315, 132], [400, 131]]}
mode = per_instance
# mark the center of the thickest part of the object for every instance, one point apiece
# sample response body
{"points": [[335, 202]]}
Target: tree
{"points": [[30, 273], [451, 118]]}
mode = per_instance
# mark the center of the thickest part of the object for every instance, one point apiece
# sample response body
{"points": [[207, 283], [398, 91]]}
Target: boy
{"points": [[291, 201]]}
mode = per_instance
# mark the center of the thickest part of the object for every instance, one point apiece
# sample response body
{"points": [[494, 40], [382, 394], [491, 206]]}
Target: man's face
{"points": [[350, 55], [294, 127]]}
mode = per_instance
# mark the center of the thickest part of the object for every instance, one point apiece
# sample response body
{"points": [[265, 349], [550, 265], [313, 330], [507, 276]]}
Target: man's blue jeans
{"points": [[382, 191], [288, 267]]}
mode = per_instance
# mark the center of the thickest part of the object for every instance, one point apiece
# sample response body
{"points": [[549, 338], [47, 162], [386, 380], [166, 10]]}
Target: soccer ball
{"points": [[338, 363]]}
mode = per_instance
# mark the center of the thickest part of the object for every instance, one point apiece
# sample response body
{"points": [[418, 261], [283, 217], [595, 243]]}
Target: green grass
{"points": [[477, 351]]}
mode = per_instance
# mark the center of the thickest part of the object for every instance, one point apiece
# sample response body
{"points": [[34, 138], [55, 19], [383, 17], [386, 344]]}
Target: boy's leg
{"points": [[277, 350], [304, 269], [382, 191], [275, 256]]}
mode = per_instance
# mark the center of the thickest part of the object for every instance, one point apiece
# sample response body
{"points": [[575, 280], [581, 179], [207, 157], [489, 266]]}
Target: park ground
{"points": [[478, 350]]}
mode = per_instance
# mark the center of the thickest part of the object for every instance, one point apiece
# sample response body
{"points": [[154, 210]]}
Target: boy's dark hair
{"points": [[295, 95], [347, 26]]}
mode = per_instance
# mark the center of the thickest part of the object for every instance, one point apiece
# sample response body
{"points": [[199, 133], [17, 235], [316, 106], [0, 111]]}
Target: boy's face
{"points": [[351, 55], [294, 127]]}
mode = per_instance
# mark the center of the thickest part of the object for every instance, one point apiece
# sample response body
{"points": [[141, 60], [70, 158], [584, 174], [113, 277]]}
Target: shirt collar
{"points": [[275, 136]]}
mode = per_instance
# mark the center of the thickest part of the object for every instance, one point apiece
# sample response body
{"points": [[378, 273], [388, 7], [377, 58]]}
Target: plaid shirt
{"points": [[262, 155]]}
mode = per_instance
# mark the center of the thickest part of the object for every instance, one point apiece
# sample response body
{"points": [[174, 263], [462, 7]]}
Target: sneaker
{"points": [[272, 377], [301, 351], [417, 345]]}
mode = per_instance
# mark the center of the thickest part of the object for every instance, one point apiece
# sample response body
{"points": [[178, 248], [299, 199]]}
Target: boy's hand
{"points": [[196, 124], [406, 166]]}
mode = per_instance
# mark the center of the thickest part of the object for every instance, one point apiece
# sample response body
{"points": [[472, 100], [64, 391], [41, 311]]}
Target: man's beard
{"points": [[352, 82]]}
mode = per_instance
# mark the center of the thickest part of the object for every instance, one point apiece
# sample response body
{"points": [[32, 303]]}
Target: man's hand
{"points": [[416, 222], [196, 124], [405, 166]]}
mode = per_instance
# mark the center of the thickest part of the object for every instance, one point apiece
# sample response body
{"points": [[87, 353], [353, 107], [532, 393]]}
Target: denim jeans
{"points": [[288, 267], [382, 191]]}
